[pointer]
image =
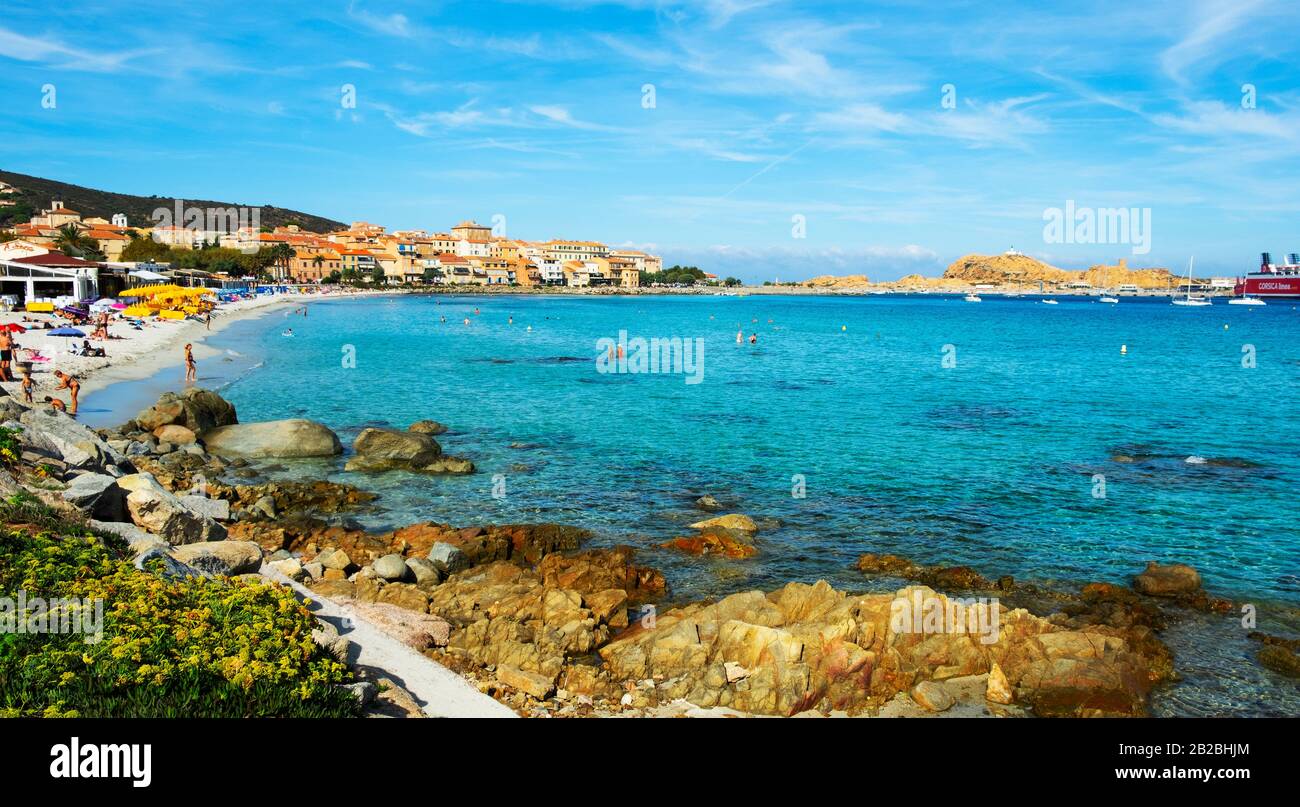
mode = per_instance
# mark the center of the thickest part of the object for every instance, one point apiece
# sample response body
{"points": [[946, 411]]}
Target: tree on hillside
{"points": [[147, 250], [731, 281], [71, 240], [377, 276]]}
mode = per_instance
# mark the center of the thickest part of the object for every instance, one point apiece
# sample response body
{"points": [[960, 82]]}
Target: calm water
{"points": [[990, 463]]}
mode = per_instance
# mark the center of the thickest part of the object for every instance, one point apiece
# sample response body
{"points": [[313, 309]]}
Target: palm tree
{"points": [[74, 242]]}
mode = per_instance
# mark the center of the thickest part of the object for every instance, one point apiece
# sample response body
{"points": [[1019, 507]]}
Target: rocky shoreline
{"points": [[552, 627]]}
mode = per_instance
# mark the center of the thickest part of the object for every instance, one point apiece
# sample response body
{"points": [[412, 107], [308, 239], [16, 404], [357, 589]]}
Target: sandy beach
{"points": [[132, 354]]}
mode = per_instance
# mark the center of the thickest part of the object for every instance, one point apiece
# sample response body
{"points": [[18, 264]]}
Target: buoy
{"points": [[844, 327], [1225, 326], [1123, 349]]}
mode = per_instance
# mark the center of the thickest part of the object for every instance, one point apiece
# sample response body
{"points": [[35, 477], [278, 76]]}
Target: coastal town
{"points": [[61, 244]]}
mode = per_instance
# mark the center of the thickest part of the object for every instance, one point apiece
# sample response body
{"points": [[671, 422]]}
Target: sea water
{"points": [[1058, 444]]}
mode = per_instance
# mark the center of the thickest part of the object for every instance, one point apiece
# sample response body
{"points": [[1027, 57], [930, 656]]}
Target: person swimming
{"points": [[740, 337], [287, 332], [753, 339]]}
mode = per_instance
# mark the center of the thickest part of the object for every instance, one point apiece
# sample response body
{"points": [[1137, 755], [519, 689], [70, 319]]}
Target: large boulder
{"points": [[732, 521], [57, 435], [154, 508], [97, 495], [390, 449], [291, 438], [1173, 580], [195, 409], [221, 557]]}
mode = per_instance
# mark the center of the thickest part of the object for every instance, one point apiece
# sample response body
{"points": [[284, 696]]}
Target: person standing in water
{"points": [[191, 369], [740, 337], [753, 339], [70, 384]]}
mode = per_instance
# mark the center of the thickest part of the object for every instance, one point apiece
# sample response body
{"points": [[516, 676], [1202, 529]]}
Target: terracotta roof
{"points": [[54, 259]]}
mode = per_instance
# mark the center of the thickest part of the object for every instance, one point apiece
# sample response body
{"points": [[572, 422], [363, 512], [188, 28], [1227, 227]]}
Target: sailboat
{"points": [[1189, 300], [1105, 283]]}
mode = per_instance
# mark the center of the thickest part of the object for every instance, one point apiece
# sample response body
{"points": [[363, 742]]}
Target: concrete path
{"points": [[439, 691]]}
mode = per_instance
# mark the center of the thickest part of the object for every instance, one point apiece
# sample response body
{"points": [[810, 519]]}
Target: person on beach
{"points": [[70, 384], [56, 403], [29, 386], [191, 369], [6, 354]]}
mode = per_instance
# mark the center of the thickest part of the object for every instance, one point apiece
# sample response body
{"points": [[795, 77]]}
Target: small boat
{"points": [[1111, 300], [1049, 302], [1246, 301], [1189, 300], [973, 298]]}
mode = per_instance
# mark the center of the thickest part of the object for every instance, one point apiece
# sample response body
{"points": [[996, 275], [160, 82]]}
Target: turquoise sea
{"points": [[946, 431]]}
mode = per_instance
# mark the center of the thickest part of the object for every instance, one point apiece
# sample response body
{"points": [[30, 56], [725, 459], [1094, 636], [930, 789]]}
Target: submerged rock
{"points": [[390, 449], [427, 427], [1173, 580]]}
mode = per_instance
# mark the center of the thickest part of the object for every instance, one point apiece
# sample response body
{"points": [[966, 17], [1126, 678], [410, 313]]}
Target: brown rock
{"points": [[535, 684], [1173, 580]]}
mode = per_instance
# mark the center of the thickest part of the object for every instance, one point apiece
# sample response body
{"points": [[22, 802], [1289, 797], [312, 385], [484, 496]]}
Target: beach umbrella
{"points": [[13, 327], [66, 333]]}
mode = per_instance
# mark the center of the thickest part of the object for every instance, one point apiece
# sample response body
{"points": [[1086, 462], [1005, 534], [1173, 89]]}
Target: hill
{"points": [[1018, 269], [33, 194]]}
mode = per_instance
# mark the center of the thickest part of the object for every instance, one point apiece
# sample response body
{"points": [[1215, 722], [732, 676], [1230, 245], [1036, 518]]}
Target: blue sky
{"points": [[763, 112]]}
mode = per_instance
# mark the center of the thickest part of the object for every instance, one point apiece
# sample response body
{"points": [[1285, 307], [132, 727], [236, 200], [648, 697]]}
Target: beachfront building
{"points": [[550, 272], [48, 275], [314, 264], [575, 250], [360, 261]]}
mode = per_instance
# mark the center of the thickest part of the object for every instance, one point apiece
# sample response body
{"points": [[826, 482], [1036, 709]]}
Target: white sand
{"points": [[136, 354]]}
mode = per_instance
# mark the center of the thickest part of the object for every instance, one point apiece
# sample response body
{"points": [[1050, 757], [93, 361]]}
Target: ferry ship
{"points": [[1272, 280]]}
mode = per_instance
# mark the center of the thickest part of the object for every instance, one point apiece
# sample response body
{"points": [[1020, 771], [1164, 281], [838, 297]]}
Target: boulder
{"points": [[227, 558], [390, 449], [195, 409], [427, 427], [932, 696], [732, 521], [334, 559], [390, 567], [174, 434], [218, 509], [447, 559], [998, 689], [290, 568], [97, 495], [1173, 580], [708, 504], [156, 509], [58, 435], [532, 683], [424, 571], [137, 539], [295, 437]]}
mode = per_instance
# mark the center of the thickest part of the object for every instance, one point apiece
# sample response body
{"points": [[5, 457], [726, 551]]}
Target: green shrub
{"points": [[194, 648]]}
